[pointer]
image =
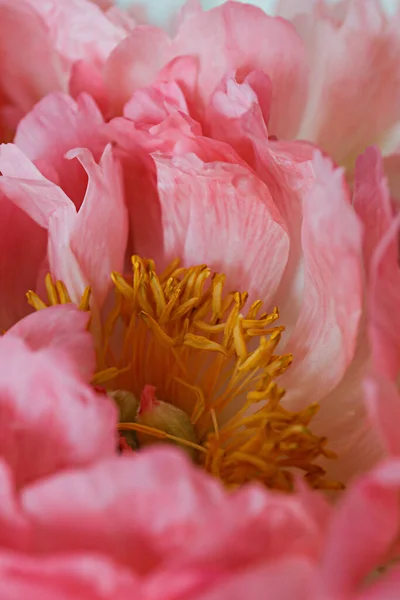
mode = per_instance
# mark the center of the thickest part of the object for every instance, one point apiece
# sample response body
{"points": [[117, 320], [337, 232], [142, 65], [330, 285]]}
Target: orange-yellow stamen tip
{"points": [[205, 367]]}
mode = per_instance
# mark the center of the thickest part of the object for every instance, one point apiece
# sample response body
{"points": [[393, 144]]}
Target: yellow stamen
{"points": [[181, 333]]}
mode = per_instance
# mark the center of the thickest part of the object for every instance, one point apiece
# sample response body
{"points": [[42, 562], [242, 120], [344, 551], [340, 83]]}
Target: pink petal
{"points": [[84, 247], [341, 117], [371, 200], [49, 419], [242, 38], [324, 339], [384, 294], [115, 507], [52, 328], [386, 588], [22, 250], [100, 233], [392, 172], [88, 77], [290, 578], [383, 401], [65, 577], [220, 214], [235, 114], [135, 63], [24, 82], [79, 29], [54, 126], [153, 104], [363, 530]]}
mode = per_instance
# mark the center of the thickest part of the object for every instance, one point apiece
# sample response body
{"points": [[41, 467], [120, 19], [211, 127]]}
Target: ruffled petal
{"points": [[245, 39], [54, 126], [83, 247]]}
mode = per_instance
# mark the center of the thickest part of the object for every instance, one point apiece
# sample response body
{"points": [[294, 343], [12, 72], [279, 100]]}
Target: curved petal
{"points": [[52, 328], [49, 418], [83, 247], [55, 125], [135, 63], [324, 339], [222, 215], [14, 527], [242, 38]]}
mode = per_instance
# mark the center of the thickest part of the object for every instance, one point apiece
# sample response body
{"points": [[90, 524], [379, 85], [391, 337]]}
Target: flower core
{"points": [[188, 364]]}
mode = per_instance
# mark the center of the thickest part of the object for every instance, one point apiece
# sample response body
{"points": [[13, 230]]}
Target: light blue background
{"points": [[161, 11]]}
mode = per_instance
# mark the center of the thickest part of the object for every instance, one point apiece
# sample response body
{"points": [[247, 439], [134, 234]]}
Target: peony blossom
{"points": [[198, 310], [78, 522]]}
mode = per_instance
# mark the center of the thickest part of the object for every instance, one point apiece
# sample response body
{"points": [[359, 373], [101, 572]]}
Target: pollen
{"points": [[193, 365]]}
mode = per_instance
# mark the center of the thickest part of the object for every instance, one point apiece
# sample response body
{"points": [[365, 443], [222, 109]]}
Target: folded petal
{"points": [[223, 215], [242, 38], [135, 63], [83, 247], [49, 418], [324, 339], [53, 127]]}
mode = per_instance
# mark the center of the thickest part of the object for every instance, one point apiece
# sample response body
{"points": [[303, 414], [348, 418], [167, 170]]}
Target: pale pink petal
{"points": [[54, 126], [135, 63], [79, 29], [352, 103], [49, 418], [324, 339], [236, 116], [24, 82], [22, 250], [371, 200], [65, 577], [363, 530], [100, 232], [383, 402], [383, 296], [223, 215], [242, 38], [52, 328], [153, 104]]}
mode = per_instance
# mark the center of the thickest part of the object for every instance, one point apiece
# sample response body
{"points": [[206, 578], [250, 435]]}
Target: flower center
{"points": [[188, 364]]}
